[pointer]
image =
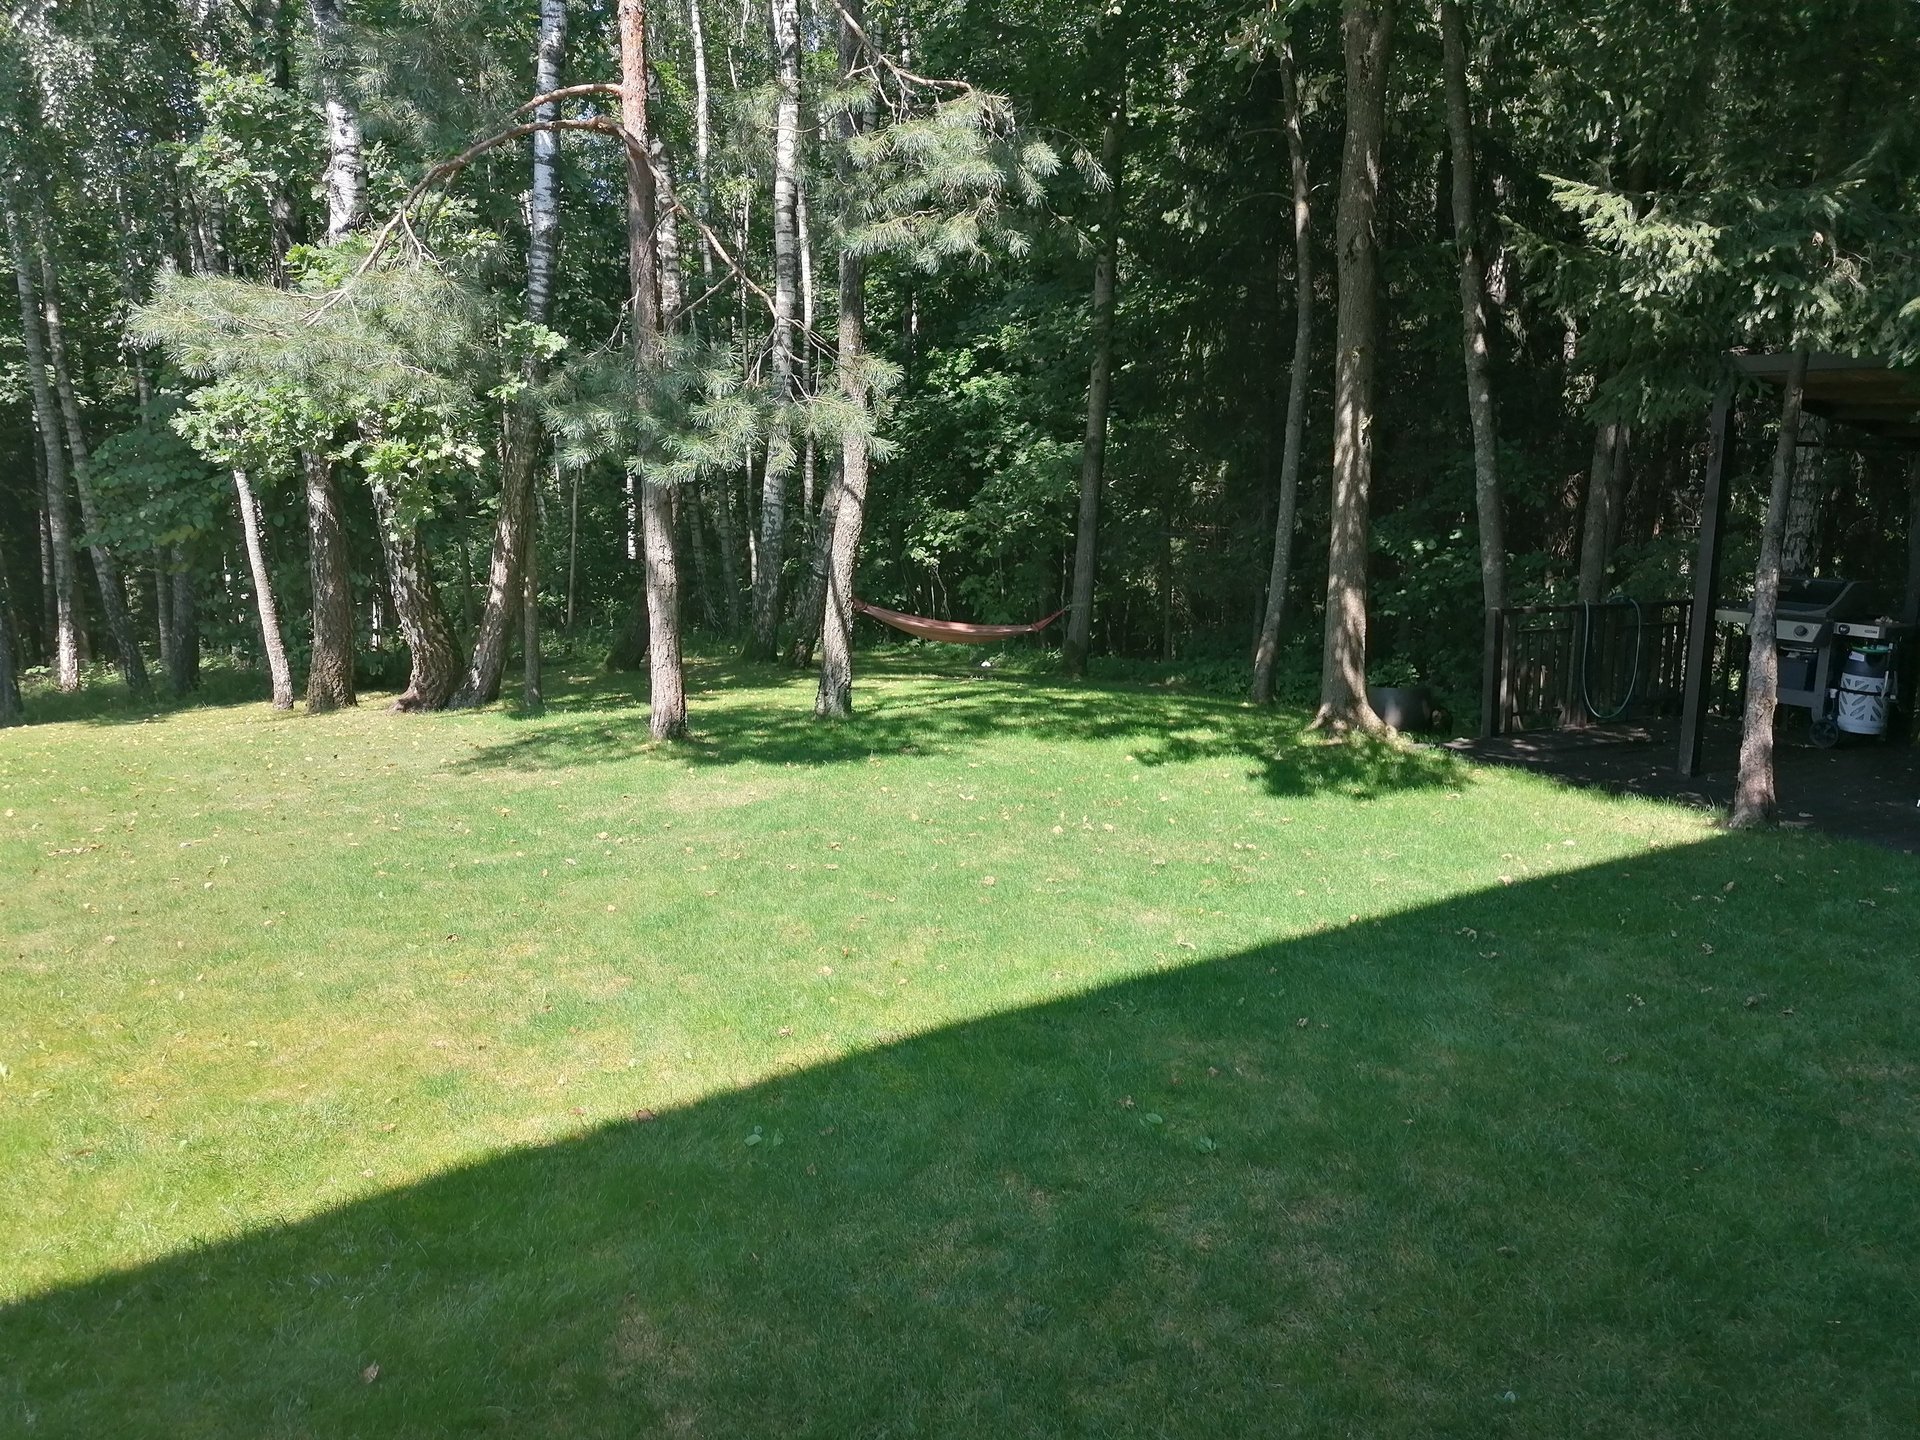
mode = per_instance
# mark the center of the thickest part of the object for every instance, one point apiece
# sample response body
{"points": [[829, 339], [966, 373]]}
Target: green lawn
{"points": [[1017, 1060]]}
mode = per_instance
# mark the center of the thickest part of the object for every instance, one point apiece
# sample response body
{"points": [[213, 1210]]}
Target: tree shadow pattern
{"points": [[1475, 1169], [1162, 727]]}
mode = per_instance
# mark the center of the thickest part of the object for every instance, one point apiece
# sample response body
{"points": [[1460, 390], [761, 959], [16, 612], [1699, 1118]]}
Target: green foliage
{"points": [[154, 487], [249, 426], [256, 139]]}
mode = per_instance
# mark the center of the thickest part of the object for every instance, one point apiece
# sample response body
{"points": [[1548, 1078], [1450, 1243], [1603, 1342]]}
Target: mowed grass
{"points": [[1017, 1060]]}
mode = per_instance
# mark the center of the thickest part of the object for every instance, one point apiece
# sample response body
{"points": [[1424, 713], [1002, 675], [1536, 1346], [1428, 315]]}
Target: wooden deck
{"points": [[1863, 791]]}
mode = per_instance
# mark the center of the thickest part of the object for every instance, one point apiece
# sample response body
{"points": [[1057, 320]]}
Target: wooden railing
{"points": [[1562, 666]]}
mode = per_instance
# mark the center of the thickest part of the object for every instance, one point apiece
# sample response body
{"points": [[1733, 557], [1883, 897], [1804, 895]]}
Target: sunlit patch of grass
{"points": [[1016, 1058]]}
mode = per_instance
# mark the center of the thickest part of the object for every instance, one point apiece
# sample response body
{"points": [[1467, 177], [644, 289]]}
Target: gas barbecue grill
{"points": [[1820, 630]]}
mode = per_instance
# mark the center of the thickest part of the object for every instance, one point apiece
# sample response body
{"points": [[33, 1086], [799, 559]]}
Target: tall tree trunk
{"points": [[1753, 794], [667, 694], [434, 660], [808, 612], [163, 611], [1367, 27], [330, 670], [693, 529], [330, 680], [1093, 452], [531, 698], [1806, 502], [59, 517], [1287, 507], [346, 177], [726, 532], [834, 697], [11, 712], [184, 676], [106, 569], [808, 361], [1473, 315], [573, 554], [702, 133], [763, 643], [1603, 499], [520, 451], [271, 639]]}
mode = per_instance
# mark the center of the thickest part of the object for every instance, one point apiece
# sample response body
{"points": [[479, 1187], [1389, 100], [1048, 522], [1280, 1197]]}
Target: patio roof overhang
{"points": [[1864, 393]]}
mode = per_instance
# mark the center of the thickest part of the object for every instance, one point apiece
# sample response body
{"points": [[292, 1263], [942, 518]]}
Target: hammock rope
{"points": [[953, 632]]}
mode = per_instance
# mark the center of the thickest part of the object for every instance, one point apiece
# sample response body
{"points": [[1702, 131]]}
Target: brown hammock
{"points": [[952, 632]]}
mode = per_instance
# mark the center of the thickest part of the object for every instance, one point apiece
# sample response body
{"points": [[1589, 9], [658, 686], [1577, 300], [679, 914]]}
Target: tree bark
{"points": [[531, 697], [184, 676], [433, 659], [106, 568], [346, 177], [702, 132], [1473, 315], [834, 697], [1603, 497], [1267, 648], [520, 450], [1367, 27], [1806, 503], [59, 517], [330, 670], [271, 639], [809, 612], [667, 695], [11, 711], [163, 611], [1093, 451], [573, 554], [1753, 793], [726, 531], [763, 643]]}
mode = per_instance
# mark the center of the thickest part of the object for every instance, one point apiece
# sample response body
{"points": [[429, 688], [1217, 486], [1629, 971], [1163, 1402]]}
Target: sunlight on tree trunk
{"points": [[330, 671], [106, 569], [833, 699], [346, 177], [1753, 794], [56, 510], [272, 642], [667, 695], [765, 640], [1367, 30], [1597, 524], [1266, 650], [434, 662], [521, 447]]}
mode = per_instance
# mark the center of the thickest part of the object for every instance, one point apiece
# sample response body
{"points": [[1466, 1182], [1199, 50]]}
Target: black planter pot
{"points": [[1407, 708]]}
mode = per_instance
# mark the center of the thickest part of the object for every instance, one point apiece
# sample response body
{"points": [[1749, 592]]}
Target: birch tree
{"points": [[1266, 649]]}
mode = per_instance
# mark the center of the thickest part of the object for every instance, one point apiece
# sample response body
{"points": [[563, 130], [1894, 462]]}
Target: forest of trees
{"points": [[370, 341]]}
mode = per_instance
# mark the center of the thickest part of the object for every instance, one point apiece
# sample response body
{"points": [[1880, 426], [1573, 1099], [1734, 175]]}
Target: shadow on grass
{"points": [[1476, 1169], [103, 698], [958, 711]]}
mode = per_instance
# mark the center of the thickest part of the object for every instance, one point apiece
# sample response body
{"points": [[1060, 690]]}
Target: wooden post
{"points": [[1493, 678], [1706, 583]]}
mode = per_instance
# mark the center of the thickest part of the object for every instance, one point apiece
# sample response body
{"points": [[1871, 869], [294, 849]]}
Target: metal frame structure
{"points": [[1877, 403]]}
